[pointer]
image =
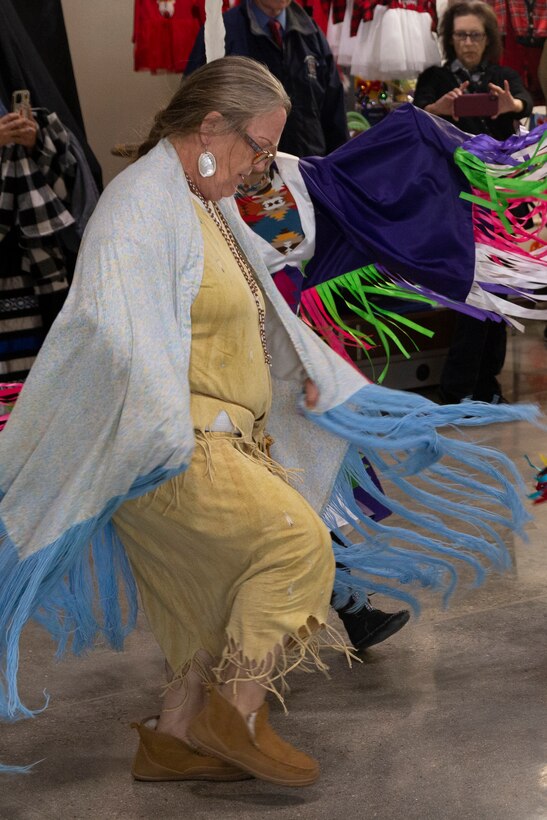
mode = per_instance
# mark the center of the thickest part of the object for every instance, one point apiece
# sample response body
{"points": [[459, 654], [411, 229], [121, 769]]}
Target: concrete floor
{"points": [[446, 720]]}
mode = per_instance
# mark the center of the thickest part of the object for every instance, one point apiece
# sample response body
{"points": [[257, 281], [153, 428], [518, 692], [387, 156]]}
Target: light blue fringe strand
{"points": [[403, 440], [58, 587], [15, 769]]}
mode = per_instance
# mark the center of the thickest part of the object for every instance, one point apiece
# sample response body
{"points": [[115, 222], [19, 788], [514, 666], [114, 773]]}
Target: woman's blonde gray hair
{"points": [[237, 87]]}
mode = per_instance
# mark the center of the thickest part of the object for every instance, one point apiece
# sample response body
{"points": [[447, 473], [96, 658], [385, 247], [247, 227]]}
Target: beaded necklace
{"points": [[219, 219]]}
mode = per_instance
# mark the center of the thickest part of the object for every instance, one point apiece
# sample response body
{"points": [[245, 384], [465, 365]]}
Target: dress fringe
{"points": [[301, 650], [257, 451]]}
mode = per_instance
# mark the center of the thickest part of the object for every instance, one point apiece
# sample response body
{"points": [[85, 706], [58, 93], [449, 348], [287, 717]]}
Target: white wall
{"points": [[118, 104]]}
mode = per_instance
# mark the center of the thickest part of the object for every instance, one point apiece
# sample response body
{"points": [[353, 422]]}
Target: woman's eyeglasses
{"points": [[474, 36], [261, 154]]}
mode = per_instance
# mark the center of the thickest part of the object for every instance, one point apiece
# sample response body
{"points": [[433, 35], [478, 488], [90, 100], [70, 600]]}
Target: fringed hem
{"points": [[300, 650], [201, 664], [258, 452]]}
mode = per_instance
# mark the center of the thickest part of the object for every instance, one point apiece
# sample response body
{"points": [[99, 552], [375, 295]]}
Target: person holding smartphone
{"points": [[472, 90], [17, 128], [471, 41]]}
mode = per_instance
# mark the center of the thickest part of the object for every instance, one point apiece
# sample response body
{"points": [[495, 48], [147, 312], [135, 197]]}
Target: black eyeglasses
{"points": [[474, 36], [261, 154]]}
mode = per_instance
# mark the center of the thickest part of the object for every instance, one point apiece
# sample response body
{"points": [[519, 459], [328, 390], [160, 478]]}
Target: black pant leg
{"points": [[492, 361], [462, 365]]}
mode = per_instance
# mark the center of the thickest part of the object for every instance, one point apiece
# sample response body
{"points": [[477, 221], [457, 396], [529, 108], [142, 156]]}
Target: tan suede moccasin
{"points": [[221, 730], [164, 757]]}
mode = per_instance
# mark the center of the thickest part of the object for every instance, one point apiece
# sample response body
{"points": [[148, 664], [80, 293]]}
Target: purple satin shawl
{"points": [[390, 196]]}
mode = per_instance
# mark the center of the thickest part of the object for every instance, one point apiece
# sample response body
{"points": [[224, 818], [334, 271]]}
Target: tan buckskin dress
{"points": [[229, 558]]}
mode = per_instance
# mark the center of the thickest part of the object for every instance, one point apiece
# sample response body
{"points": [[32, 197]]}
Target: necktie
{"points": [[276, 30]]}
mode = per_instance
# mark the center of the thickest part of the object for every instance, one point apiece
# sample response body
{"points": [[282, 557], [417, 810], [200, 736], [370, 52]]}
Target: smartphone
{"points": [[20, 103], [476, 105]]}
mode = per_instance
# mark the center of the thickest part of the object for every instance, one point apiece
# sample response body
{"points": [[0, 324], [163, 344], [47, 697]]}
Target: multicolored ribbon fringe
{"points": [[509, 196], [540, 495], [365, 294]]}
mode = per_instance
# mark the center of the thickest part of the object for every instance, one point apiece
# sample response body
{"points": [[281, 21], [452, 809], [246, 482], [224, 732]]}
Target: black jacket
{"points": [[436, 81], [306, 68]]}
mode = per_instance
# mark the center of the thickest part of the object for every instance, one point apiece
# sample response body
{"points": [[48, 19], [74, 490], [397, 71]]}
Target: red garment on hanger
{"points": [[338, 10], [524, 59], [515, 12], [163, 44], [364, 10]]}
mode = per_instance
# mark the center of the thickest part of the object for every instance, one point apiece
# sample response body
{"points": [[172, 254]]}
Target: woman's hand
{"points": [[444, 106], [311, 392], [506, 102], [28, 133], [17, 129]]}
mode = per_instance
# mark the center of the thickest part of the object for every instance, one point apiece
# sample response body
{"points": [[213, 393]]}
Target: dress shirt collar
{"points": [[263, 19]]}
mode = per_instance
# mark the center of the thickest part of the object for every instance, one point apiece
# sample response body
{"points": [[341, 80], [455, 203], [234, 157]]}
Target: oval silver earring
{"points": [[207, 164]]}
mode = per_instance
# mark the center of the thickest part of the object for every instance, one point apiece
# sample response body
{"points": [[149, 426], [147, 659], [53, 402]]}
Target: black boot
{"points": [[371, 626], [368, 626]]}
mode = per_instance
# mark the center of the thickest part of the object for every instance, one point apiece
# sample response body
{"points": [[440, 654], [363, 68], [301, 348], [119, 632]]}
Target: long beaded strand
{"points": [[214, 211]]}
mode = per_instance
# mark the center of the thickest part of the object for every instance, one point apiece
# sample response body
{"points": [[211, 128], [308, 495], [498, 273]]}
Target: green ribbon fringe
{"points": [[358, 291]]}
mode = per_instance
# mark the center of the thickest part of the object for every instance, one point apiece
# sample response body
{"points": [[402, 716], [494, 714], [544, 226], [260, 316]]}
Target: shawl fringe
{"points": [[464, 481], [73, 588]]}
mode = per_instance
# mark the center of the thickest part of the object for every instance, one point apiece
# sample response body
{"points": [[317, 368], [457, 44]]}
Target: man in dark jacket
{"points": [[284, 37]]}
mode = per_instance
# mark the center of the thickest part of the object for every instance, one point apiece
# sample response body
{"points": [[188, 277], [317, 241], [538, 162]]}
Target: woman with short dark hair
{"points": [[472, 45], [485, 13]]}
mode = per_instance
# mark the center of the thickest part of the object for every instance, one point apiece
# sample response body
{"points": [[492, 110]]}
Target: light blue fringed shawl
{"points": [[104, 417]]}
